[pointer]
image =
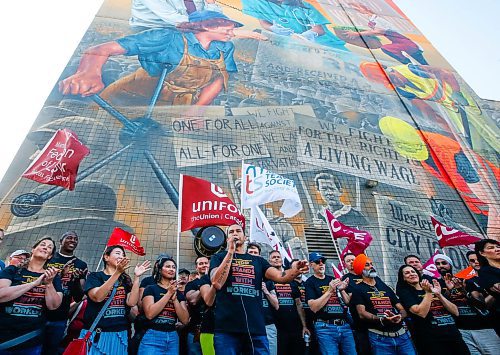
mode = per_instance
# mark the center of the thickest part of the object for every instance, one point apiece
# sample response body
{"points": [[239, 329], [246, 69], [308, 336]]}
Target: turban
{"points": [[442, 256], [359, 262]]}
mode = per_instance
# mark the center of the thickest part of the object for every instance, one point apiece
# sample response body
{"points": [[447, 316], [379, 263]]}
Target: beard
{"points": [[370, 273]]}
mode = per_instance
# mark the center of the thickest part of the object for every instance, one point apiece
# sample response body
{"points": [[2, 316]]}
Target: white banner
{"points": [[262, 232], [260, 186]]}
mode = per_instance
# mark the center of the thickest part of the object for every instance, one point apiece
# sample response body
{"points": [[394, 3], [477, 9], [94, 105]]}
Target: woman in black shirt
{"points": [[432, 314], [163, 305], [26, 294]]}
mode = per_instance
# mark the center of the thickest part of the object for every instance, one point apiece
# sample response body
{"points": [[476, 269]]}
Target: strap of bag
{"points": [[19, 340], [103, 309]]}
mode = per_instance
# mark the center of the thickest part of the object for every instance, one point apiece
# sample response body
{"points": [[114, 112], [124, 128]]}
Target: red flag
{"points": [[358, 240], [57, 163], [204, 204], [467, 273], [126, 240], [429, 268], [448, 237]]}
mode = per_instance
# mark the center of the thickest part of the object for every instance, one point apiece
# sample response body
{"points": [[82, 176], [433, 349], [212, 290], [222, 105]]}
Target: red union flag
{"points": [[429, 268], [467, 273], [126, 240], [448, 237], [203, 204], [57, 163], [358, 240]]}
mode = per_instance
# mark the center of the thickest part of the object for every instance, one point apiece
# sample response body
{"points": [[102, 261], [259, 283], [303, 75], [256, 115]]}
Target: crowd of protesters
{"points": [[237, 302]]}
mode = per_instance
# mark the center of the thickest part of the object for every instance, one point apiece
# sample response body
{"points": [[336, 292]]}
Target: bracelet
{"points": [[381, 320]]}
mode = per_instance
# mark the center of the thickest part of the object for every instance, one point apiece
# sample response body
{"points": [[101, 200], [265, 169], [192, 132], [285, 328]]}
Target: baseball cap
{"points": [[184, 271], [204, 15], [163, 256], [20, 252], [315, 256]]}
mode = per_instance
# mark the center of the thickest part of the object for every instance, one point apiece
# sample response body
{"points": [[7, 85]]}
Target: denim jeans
{"points": [[54, 332], [382, 345], [159, 342], [236, 344], [272, 338], [335, 339], [193, 348]]}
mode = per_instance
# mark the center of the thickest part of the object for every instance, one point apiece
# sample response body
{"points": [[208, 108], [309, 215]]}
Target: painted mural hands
{"points": [[281, 30], [239, 33], [82, 83]]}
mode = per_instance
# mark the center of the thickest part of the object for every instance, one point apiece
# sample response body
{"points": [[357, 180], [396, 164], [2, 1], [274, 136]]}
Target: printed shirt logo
{"points": [[167, 315], [380, 302], [284, 293], [332, 306], [117, 306], [243, 279], [439, 313], [31, 303]]}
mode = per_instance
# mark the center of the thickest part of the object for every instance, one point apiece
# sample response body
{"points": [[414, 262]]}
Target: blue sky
{"points": [[39, 37]]}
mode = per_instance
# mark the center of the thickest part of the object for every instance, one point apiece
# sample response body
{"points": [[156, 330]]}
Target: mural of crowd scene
{"points": [[347, 98]]}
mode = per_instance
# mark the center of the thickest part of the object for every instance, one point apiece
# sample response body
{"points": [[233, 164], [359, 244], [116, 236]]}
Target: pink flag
{"points": [[429, 268], [448, 237], [358, 240]]}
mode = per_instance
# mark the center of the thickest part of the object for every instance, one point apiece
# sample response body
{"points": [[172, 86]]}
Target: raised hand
{"points": [[231, 243], [49, 274], [302, 266], [436, 287], [343, 284], [448, 280], [122, 265], [67, 268], [426, 286], [142, 268]]}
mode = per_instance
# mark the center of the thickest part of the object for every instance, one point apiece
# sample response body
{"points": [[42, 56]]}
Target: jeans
{"points": [[272, 338], [334, 339], [382, 345], [193, 348], [155, 341], [54, 333], [482, 341], [236, 344]]}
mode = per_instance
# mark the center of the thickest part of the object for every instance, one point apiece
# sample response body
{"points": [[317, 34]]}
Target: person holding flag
{"points": [[113, 338], [237, 277]]}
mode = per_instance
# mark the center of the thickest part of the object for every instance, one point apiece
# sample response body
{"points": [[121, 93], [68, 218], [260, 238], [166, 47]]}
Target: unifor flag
{"points": [[467, 273], [448, 236], [429, 268], [262, 232], [260, 186], [357, 240], [58, 162], [203, 204], [126, 240]]}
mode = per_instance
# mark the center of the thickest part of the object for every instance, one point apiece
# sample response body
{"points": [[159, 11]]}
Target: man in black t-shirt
{"points": [[475, 326], [269, 304], [197, 306], [290, 316], [327, 298], [380, 311], [73, 272], [238, 276]]}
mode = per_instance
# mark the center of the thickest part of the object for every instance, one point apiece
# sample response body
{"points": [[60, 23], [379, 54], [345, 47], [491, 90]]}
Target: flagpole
{"points": [[242, 185], [179, 214], [100, 260], [336, 246]]}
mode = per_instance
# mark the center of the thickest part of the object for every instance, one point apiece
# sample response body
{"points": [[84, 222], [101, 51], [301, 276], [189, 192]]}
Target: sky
{"points": [[37, 45]]}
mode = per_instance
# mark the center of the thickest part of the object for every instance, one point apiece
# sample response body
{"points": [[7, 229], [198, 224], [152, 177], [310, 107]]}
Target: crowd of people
{"points": [[237, 302]]}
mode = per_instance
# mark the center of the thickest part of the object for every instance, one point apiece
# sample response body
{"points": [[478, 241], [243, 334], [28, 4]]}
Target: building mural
{"points": [[347, 98]]}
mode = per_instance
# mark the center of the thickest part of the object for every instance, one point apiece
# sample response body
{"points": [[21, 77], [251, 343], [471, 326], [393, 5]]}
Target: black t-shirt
{"points": [[354, 281], [287, 316], [468, 316], [488, 277], [208, 316], [147, 281], [239, 301], [27, 312], [333, 308], [165, 321], [377, 299], [269, 311], [195, 311], [438, 322], [115, 317], [301, 286], [69, 284]]}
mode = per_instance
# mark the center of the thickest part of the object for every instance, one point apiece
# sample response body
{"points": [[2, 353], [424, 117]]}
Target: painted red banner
{"points": [[448, 237], [126, 240], [205, 204], [58, 162]]}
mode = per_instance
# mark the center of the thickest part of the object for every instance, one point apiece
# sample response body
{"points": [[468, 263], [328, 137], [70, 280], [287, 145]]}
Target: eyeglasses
{"points": [[472, 260]]}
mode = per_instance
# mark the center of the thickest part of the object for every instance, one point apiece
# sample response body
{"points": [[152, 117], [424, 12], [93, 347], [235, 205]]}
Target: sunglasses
{"points": [[320, 261]]}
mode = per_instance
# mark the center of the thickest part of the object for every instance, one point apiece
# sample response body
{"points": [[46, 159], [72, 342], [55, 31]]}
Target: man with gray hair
{"points": [[476, 327]]}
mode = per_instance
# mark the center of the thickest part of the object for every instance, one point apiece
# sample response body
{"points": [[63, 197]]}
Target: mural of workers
{"points": [[421, 83], [295, 18], [330, 189], [198, 55]]}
